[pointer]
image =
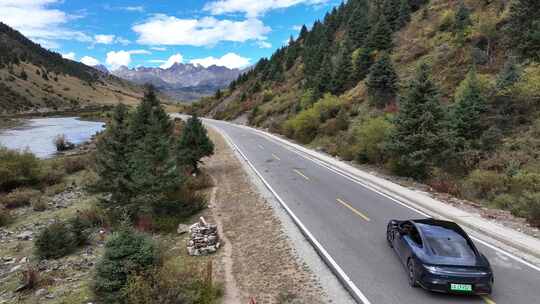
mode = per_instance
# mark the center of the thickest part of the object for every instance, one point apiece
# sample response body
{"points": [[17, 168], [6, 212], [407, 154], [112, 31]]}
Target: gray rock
{"points": [[25, 236], [41, 292], [182, 229]]}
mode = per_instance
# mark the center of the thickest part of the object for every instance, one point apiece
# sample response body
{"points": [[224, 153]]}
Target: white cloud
{"points": [[104, 39], [176, 58], [122, 58], [230, 60], [139, 9], [70, 56], [264, 44], [168, 30], [158, 48], [122, 41], [89, 61], [254, 8], [38, 21], [297, 27]]}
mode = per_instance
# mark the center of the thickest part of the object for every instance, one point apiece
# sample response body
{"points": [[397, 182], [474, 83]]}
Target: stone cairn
{"points": [[204, 238]]}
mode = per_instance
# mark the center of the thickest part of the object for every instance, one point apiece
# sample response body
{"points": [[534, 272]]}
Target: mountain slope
{"points": [[186, 82], [467, 122], [35, 79]]}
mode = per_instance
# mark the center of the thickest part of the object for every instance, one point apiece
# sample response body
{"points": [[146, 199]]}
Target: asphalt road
{"points": [[349, 221]]}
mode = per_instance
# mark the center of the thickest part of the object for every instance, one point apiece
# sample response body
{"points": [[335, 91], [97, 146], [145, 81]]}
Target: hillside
{"points": [[184, 82], [35, 79], [443, 91]]}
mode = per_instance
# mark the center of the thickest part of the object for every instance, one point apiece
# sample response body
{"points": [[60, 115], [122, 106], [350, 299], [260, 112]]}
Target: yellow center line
{"points": [[488, 300], [275, 156], [301, 174], [360, 214]]}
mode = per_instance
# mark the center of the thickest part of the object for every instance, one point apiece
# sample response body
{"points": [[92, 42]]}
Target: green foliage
{"points": [[18, 168], [380, 37], [171, 283], [420, 136], [112, 158], [126, 253], [194, 144], [469, 108], [462, 18], [341, 80], [404, 13], [55, 241], [382, 82], [446, 22], [523, 28], [359, 23], [303, 127], [530, 207], [484, 184], [371, 135], [509, 75], [363, 60], [391, 12], [78, 228]]}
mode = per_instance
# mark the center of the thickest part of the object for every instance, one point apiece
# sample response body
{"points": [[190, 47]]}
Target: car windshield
{"points": [[446, 242]]}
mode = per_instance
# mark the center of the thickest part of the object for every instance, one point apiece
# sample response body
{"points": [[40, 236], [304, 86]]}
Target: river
{"points": [[38, 134]]}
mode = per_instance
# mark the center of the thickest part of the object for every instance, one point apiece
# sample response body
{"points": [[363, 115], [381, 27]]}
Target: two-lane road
{"points": [[349, 221]]}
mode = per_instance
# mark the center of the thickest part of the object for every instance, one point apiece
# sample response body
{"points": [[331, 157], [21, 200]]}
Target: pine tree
{"points": [[152, 165], [462, 18], [380, 37], [362, 63], [391, 13], [324, 78], [419, 137], [359, 24], [194, 144], [382, 82], [341, 80], [509, 74], [523, 28], [404, 13], [469, 106], [303, 32], [112, 156]]}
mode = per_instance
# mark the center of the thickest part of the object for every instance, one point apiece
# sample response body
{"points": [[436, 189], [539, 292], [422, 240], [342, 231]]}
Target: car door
{"points": [[402, 241]]}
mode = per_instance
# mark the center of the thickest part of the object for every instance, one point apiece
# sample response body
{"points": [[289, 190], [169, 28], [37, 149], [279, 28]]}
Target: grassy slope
{"points": [[38, 93]]}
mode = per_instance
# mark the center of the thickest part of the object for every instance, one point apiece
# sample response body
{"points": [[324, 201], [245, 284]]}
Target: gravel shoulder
{"points": [[265, 255]]}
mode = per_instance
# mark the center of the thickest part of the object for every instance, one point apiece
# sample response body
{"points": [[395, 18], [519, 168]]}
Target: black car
{"points": [[439, 256]]}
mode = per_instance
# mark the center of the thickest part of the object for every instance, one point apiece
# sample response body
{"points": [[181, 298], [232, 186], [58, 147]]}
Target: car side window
{"points": [[415, 236]]}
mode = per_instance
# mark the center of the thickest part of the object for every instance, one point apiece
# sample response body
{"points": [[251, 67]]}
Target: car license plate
{"points": [[461, 287]]}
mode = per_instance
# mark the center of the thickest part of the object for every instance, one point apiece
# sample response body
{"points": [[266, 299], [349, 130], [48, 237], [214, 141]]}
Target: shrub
{"points": [[52, 175], [55, 241], [525, 181], [168, 213], [171, 283], [19, 198], [530, 207], [39, 204], [5, 217], [484, 184], [93, 217], [126, 253], [18, 168], [447, 20], [506, 201], [371, 135], [75, 164], [30, 278], [62, 143], [78, 228]]}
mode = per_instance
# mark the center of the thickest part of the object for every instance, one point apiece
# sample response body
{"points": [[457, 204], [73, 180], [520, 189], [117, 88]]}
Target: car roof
{"points": [[438, 223]]}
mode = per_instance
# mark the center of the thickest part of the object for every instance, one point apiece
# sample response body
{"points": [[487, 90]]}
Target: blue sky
{"points": [[232, 33]]}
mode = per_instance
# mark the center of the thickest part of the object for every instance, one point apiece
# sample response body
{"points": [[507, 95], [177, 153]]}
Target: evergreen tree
{"points": [[362, 63], [382, 82], [380, 37], [194, 144], [303, 32], [359, 24], [341, 80], [404, 13], [218, 94], [112, 155], [509, 74], [324, 78], [462, 18], [419, 137], [524, 28], [391, 10], [153, 169], [468, 109]]}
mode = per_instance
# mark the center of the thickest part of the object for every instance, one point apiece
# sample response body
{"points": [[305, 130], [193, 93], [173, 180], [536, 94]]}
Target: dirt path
{"points": [[257, 259]]}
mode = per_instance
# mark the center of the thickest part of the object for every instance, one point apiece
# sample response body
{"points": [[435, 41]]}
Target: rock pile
{"points": [[204, 238]]}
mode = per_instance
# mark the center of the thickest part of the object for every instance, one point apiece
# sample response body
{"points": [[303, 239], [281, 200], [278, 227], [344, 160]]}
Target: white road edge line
{"points": [[358, 181], [342, 276]]}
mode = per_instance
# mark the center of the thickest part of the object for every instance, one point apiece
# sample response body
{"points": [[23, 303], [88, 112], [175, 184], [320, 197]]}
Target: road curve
{"points": [[349, 222]]}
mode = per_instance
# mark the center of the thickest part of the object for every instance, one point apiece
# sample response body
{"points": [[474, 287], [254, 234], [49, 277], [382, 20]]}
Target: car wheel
{"points": [[389, 237], [412, 273]]}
